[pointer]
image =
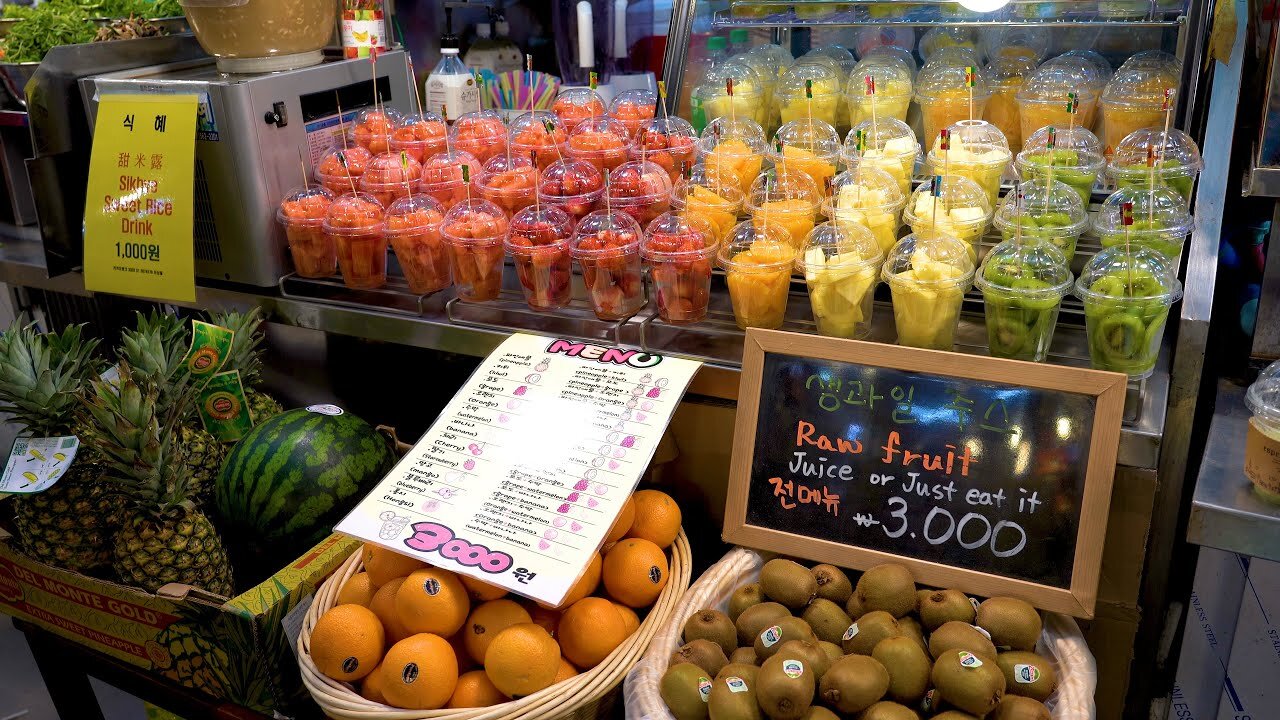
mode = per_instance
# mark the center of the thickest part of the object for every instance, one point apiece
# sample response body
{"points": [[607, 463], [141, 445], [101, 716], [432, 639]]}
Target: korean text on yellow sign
{"points": [[138, 207]]}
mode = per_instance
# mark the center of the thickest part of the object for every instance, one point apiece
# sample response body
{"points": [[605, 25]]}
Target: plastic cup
{"points": [[943, 38], [481, 133], [960, 209], [420, 137], [680, 252], [355, 226], [1160, 221], [869, 198], [442, 176], [978, 151], [508, 182], [373, 128], [807, 146], [1043, 100], [574, 186], [633, 108], [340, 168], [668, 142], [928, 275], [528, 134], [943, 97], [1015, 43], [1174, 156], [538, 242], [757, 260], [413, 229], [1053, 214], [601, 141], [819, 80], [640, 189], [889, 145], [1023, 283], [888, 44], [892, 97], [1006, 76], [1263, 400], [1126, 297], [474, 231], [1075, 157], [1136, 98], [607, 248], [573, 105], [841, 268], [788, 200], [709, 197], [711, 101], [733, 148], [301, 214], [390, 176], [842, 62]]}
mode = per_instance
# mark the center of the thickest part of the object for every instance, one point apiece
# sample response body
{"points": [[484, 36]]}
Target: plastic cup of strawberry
{"points": [[529, 134], [413, 229], [538, 242], [607, 247], [574, 186], [355, 224], [680, 252], [473, 231], [508, 182], [442, 176], [390, 176], [633, 108], [640, 189], [574, 105]]}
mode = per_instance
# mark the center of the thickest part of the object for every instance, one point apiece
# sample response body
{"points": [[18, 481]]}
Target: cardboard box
{"points": [[1208, 635], [240, 651], [1252, 690]]}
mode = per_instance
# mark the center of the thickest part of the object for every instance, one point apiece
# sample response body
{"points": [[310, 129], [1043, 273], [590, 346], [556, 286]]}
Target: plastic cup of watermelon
{"points": [[302, 214], [413, 229], [355, 224], [473, 231], [538, 242]]}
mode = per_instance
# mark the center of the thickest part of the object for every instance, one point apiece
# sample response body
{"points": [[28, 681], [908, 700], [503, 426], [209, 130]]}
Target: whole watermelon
{"points": [[290, 480]]}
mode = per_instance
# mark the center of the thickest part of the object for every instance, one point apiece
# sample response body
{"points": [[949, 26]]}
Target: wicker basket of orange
{"points": [[391, 638]]}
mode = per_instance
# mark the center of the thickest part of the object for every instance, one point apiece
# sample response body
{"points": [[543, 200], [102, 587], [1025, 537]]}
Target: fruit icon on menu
{"points": [[340, 168], [413, 230], [302, 213], [680, 251], [354, 222], [374, 127], [473, 231], [607, 248], [538, 242], [420, 137]]}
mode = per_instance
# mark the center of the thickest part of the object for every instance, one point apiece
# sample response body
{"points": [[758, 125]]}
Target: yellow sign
{"points": [[138, 206]]}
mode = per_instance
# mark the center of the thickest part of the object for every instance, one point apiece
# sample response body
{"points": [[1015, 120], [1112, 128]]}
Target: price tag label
{"points": [[35, 464], [138, 208]]}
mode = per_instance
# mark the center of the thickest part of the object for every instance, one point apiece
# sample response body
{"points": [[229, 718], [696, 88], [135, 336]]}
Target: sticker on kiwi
{"points": [[431, 587], [982, 630], [704, 689], [409, 673], [930, 699], [969, 660], [851, 633], [1025, 674], [735, 683], [974, 602], [792, 668], [771, 635], [350, 665]]}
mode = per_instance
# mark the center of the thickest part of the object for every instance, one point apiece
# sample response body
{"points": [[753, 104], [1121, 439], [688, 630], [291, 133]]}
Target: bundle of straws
{"points": [[520, 90]]}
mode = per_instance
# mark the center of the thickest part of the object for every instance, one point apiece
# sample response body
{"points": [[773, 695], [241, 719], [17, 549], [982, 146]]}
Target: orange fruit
{"points": [[419, 672], [488, 620], [548, 618], [481, 591], [623, 523], [589, 630], [522, 660], [657, 518], [629, 617], [475, 689], [586, 584], [357, 590], [565, 671], [383, 605], [457, 641], [371, 686], [383, 565], [432, 601], [635, 571], [347, 642]]}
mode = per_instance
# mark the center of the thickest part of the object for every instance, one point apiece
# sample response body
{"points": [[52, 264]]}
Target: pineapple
{"points": [[155, 350], [247, 358], [166, 539], [71, 524], [182, 655]]}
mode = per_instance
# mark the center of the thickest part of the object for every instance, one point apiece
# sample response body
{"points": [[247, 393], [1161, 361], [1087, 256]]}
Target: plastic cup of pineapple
{"points": [[945, 37], [708, 196], [892, 87], [841, 266], [1006, 75], [877, 44], [1151, 155], [807, 146], [1136, 98], [842, 61], [1076, 159], [870, 198], [810, 89], [757, 260], [1045, 99], [959, 209], [711, 100], [978, 151], [733, 148], [1160, 221], [787, 200], [770, 62], [1052, 213], [887, 144], [945, 99], [1013, 42], [1023, 282], [928, 275]]}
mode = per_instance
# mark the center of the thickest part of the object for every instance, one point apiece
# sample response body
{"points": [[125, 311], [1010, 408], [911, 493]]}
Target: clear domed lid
{"points": [[307, 204], [342, 161], [958, 199], [718, 188], [603, 231], [1146, 87], [882, 137], [1156, 211], [891, 79], [1173, 151], [1028, 268], [677, 234], [446, 167], [474, 219], [1076, 66], [843, 58], [538, 225], [939, 81], [628, 102], [746, 81], [769, 61], [531, 130], [1153, 60], [1010, 70], [1068, 138], [1003, 42], [778, 185], [974, 141], [599, 133], [863, 187], [930, 259], [670, 126], [757, 245], [1139, 273], [414, 212], [390, 168], [848, 245], [507, 172], [825, 78], [811, 136], [639, 179], [1263, 396], [570, 178], [734, 137], [942, 37], [1037, 204], [354, 210], [1100, 64], [1053, 81], [892, 53], [579, 102], [420, 128], [377, 121], [1073, 148], [482, 125]]}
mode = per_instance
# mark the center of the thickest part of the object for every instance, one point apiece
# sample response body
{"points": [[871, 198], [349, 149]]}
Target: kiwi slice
{"points": [[785, 687], [1028, 674], [703, 653], [853, 683], [712, 625], [968, 681], [743, 598], [685, 688], [863, 634], [772, 637], [833, 583], [889, 587], [956, 635], [788, 582], [1012, 623], [828, 620], [938, 607]]}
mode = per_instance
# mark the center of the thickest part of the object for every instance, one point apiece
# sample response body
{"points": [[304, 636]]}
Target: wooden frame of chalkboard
{"points": [[1061, 570]]}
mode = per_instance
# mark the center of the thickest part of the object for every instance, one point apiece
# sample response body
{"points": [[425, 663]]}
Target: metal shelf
{"points": [[1225, 512], [725, 19]]}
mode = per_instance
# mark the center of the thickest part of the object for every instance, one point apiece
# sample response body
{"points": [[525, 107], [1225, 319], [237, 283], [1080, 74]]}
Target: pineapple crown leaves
{"points": [[155, 350], [245, 354], [41, 375]]}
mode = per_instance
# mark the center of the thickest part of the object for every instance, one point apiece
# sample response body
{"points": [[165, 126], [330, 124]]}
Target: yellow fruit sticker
{"points": [[35, 464]]}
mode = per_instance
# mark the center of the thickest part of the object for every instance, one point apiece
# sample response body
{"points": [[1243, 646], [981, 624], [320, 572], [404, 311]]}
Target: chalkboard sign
{"points": [[987, 475]]}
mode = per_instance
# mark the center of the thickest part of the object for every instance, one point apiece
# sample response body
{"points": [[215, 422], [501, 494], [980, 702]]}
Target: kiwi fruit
{"points": [[834, 652], [703, 653], [938, 607], [788, 582], [733, 697], [772, 637], [863, 634], [685, 689], [833, 584], [743, 598], [970, 683], [742, 670], [1027, 674], [757, 618], [1016, 707], [955, 635], [744, 656], [817, 712], [853, 606], [712, 625], [953, 715], [853, 683], [811, 653], [908, 668], [785, 687], [910, 627], [828, 620], [888, 587], [888, 710], [1012, 623]]}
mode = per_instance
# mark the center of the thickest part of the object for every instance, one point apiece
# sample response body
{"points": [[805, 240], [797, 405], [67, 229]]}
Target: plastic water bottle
{"points": [[450, 85]]}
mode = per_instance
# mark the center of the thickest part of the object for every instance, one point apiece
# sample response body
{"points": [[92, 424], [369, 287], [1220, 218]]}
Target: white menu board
{"points": [[519, 479]]}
